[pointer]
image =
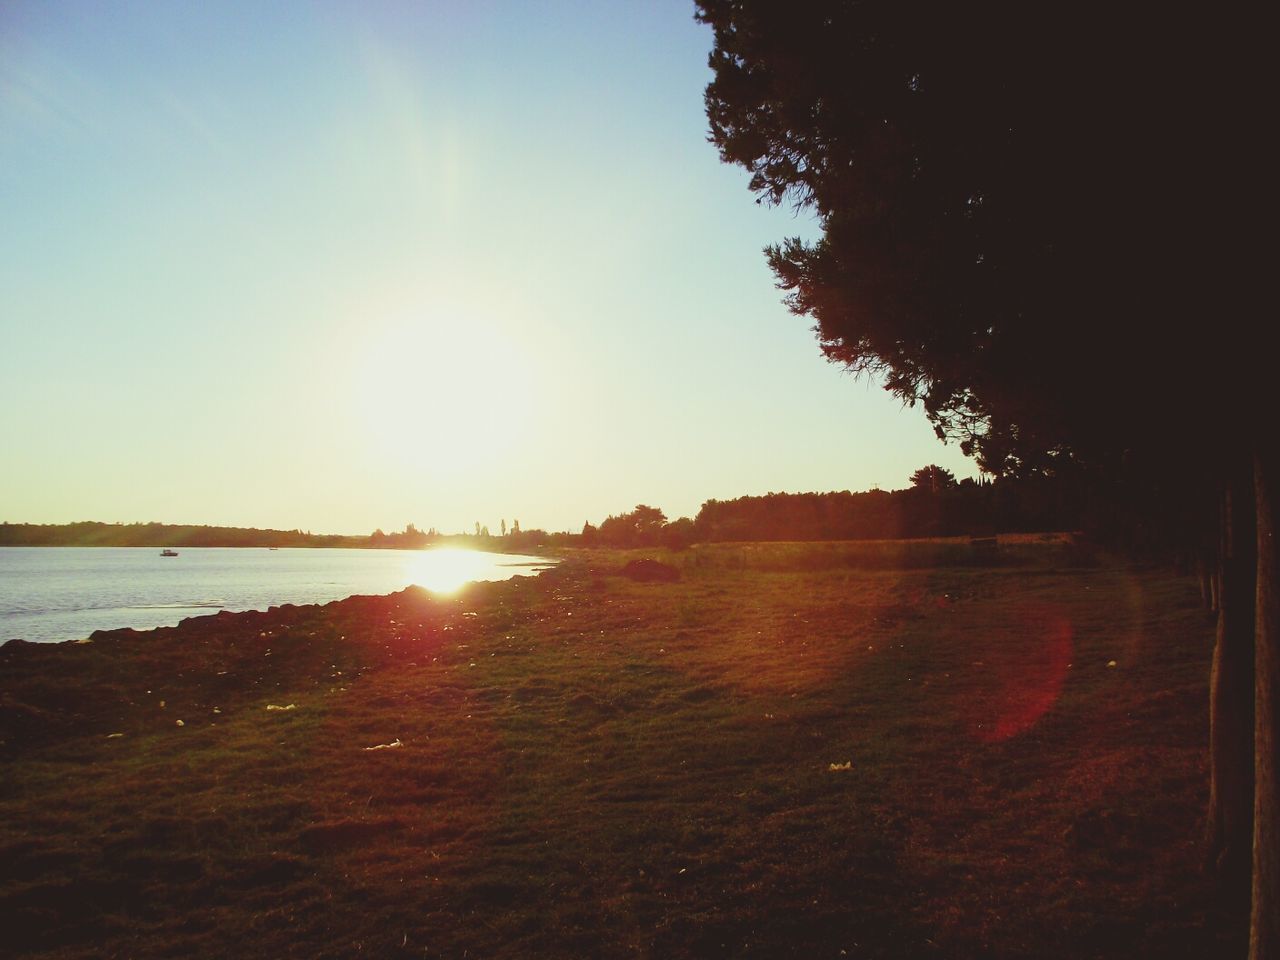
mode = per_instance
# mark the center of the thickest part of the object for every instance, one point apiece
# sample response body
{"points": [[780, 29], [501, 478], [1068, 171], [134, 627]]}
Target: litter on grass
{"points": [[387, 746], [276, 706], [847, 765]]}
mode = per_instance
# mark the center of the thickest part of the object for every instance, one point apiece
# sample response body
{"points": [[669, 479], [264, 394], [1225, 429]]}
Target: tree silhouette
{"points": [[933, 479], [640, 527], [1023, 211], [978, 247]]}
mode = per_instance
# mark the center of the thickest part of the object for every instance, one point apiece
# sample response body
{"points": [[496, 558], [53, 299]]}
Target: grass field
{"points": [[897, 751]]}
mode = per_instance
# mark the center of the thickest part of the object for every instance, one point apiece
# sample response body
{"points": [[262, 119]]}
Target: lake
{"points": [[65, 593]]}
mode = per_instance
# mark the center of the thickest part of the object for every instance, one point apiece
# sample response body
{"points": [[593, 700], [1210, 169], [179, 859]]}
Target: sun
{"points": [[444, 388]]}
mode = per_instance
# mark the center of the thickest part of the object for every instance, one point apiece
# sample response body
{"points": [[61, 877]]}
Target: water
{"points": [[65, 593]]}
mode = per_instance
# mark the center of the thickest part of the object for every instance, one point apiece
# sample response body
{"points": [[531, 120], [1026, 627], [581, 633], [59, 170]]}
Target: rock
{"points": [[122, 633]]}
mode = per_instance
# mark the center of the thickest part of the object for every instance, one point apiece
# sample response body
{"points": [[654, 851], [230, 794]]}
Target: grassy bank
{"points": [[793, 751]]}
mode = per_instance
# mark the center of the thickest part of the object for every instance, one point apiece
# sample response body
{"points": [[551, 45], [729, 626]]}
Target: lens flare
{"points": [[1026, 683]]}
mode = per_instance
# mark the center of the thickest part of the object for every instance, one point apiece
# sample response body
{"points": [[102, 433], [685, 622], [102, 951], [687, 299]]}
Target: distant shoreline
{"points": [[442, 542], [178, 536]]}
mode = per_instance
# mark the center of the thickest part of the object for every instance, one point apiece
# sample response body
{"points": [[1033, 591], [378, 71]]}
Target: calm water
{"points": [[65, 593]]}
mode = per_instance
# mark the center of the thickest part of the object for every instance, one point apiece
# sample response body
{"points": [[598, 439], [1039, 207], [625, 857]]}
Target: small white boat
{"points": [[166, 552]]}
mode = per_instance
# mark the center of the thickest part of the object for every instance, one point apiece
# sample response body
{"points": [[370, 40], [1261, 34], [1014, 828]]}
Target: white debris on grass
{"points": [[276, 706], [387, 746], [847, 765]]}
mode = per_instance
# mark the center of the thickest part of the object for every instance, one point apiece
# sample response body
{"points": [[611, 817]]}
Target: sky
{"points": [[336, 266]]}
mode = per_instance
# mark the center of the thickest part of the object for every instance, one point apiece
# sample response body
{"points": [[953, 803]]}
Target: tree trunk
{"points": [[1264, 928], [1207, 568], [1204, 577], [1231, 692], [1208, 562]]}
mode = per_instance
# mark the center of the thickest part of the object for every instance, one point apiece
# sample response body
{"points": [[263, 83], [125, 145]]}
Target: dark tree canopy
{"points": [[1013, 232]]}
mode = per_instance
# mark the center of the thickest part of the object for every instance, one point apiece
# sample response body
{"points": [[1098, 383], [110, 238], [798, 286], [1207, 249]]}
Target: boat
{"points": [[166, 552]]}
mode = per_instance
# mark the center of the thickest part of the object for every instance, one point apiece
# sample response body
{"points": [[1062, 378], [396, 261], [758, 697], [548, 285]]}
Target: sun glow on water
{"points": [[446, 569]]}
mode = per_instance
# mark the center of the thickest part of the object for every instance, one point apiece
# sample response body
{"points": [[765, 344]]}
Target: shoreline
{"points": [[55, 597]]}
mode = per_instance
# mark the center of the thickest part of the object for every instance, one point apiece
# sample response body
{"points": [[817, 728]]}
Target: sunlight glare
{"points": [[445, 569]]}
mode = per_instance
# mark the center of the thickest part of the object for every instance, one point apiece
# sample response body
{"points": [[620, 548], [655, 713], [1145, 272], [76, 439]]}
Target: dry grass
{"points": [[594, 767]]}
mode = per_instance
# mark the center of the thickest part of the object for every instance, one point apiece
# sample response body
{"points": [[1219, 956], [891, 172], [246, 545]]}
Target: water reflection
{"points": [[446, 569]]}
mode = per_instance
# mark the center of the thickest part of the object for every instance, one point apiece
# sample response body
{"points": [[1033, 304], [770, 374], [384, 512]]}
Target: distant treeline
{"points": [[94, 534], [947, 510], [935, 505]]}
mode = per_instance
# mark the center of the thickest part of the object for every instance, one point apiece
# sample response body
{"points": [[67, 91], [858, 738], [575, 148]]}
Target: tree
{"points": [[973, 251], [933, 479], [1026, 227], [640, 527], [678, 534]]}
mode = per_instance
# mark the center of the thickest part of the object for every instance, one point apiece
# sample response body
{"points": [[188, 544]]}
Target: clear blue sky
{"points": [[345, 265]]}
